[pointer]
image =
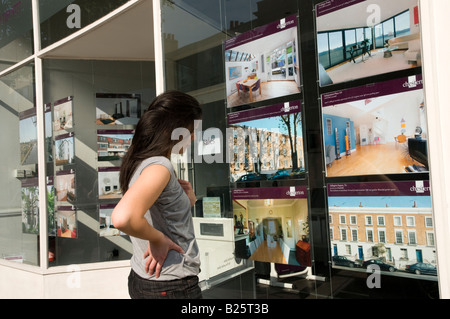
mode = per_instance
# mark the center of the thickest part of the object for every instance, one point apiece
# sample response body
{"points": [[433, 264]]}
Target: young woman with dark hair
{"points": [[155, 210]]}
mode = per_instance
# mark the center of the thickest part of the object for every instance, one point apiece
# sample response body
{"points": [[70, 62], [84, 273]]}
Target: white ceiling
{"points": [[127, 36]]}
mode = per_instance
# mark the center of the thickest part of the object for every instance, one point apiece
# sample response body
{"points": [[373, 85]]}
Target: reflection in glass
{"points": [[16, 32], [18, 199], [55, 15]]}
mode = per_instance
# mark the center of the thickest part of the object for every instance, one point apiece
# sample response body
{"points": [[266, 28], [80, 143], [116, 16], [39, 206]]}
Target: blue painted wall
{"points": [[341, 124]]}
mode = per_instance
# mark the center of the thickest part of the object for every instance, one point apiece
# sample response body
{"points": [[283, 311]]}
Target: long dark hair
{"points": [[153, 134]]}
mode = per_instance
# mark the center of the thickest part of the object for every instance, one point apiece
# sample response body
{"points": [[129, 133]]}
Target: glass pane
{"points": [[19, 210], [360, 35], [194, 53], [379, 42], [369, 36], [16, 32], [323, 49], [350, 41], [95, 106], [61, 18], [388, 29], [402, 24], [336, 48]]}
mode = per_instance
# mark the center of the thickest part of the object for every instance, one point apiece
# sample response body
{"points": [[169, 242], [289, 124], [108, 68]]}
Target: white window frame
{"points": [[412, 231], [395, 234], [379, 236], [428, 218], [343, 230], [410, 218], [378, 220], [367, 235], [394, 219], [352, 238]]}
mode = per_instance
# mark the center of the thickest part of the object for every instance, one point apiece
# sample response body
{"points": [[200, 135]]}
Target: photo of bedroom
{"points": [[263, 63], [382, 134], [385, 39], [277, 227]]}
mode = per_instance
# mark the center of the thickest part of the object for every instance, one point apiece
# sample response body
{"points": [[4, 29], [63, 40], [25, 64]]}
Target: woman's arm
{"points": [[187, 187], [128, 215]]}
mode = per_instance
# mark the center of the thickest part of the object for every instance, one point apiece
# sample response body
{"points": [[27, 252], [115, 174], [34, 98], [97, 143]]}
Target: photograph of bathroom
{"points": [[352, 45], [278, 229], [380, 135], [264, 68]]}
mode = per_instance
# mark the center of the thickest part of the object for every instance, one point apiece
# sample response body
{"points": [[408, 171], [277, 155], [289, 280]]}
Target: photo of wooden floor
{"points": [[389, 158]]}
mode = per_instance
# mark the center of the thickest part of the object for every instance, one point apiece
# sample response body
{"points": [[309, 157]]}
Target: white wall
{"points": [[71, 282], [436, 63]]}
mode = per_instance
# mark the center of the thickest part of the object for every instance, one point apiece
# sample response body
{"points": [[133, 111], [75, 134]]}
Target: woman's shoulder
{"points": [[157, 160]]}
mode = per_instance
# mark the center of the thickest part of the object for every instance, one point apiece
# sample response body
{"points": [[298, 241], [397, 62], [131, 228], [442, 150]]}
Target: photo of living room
{"points": [[352, 46], [385, 134], [278, 228], [263, 63]]}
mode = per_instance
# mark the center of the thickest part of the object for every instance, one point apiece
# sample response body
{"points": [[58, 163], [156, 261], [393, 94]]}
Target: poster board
{"points": [[263, 63], [364, 38], [277, 223], [388, 225], [267, 143], [381, 129]]}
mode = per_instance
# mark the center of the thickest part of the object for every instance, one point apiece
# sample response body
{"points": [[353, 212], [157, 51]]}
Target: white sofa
{"points": [[410, 43]]}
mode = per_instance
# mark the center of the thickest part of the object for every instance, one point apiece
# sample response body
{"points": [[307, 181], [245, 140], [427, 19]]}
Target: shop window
{"points": [[16, 32], [94, 108], [19, 204], [61, 18]]}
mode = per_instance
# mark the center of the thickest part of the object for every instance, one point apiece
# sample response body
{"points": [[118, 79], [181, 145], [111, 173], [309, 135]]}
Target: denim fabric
{"points": [[186, 288]]}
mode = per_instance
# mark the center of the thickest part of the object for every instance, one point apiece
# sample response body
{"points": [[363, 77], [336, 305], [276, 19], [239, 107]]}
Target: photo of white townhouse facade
{"points": [[397, 236]]}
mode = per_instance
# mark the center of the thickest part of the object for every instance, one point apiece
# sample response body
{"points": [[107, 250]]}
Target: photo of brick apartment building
{"points": [[397, 235]]}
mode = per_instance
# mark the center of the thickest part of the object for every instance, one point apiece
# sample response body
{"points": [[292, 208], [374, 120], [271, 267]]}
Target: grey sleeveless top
{"points": [[170, 214]]}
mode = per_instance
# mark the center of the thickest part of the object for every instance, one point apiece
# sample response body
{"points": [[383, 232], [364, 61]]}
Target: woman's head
{"points": [[153, 135]]}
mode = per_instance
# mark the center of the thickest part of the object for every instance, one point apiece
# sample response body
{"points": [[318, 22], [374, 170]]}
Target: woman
{"points": [[155, 209]]}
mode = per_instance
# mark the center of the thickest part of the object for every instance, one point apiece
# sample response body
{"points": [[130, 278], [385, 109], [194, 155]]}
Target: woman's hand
{"points": [[157, 252], [187, 187]]}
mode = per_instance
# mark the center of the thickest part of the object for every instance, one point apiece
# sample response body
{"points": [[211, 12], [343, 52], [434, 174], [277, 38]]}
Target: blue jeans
{"points": [[186, 288]]}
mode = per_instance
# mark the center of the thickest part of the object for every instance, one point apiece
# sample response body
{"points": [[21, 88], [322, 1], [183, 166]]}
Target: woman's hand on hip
{"points": [[157, 252]]}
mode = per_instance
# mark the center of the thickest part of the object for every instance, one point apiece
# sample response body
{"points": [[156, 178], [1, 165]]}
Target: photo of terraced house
{"points": [[394, 232], [267, 149]]}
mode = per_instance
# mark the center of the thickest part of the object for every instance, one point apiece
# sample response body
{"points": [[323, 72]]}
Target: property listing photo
{"points": [[263, 63], [352, 45], [384, 134], [392, 229], [276, 221]]}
